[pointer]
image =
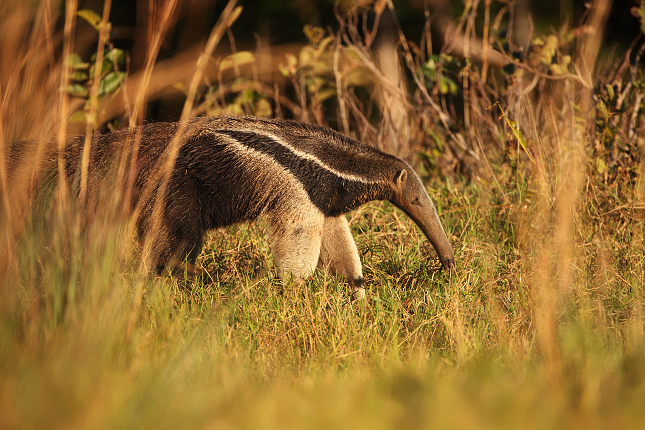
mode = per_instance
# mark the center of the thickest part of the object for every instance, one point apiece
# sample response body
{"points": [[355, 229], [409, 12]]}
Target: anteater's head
{"points": [[411, 197]]}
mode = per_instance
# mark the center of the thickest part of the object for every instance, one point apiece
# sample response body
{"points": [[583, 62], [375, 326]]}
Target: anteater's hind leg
{"points": [[178, 238], [295, 237], [176, 249], [339, 255]]}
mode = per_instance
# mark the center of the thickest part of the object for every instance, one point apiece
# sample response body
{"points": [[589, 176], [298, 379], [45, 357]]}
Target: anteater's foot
{"points": [[358, 294], [183, 269]]}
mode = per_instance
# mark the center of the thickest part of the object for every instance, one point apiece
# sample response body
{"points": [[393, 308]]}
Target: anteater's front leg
{"points": [[295, 238], [339, 255]]}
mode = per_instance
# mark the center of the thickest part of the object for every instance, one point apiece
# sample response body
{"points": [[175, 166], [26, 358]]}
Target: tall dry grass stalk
{"points": [[28, 83], [160, 182], [557, 284], [226, 20], [63, 104], [94, 95]]}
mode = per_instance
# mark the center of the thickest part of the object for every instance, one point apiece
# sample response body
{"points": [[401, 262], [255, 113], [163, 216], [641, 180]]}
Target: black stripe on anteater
{"points": [[332, 148], [332, 194]]}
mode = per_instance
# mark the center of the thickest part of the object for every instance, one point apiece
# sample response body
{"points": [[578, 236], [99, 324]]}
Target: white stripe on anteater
{"points": [[310, 157]]}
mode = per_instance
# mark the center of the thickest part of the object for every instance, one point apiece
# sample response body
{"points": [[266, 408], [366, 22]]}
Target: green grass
{"points": [[497, 343]]}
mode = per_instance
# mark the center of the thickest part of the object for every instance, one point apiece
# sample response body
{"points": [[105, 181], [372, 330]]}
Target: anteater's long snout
{"points": [[415, 202], [425, 216], [432, 228]]}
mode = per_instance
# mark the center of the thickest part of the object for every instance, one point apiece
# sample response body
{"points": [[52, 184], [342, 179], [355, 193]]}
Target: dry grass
{"points": [[540, 325]]}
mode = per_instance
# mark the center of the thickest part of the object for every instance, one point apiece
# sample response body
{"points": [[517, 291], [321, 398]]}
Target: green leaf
{"points": [[236, 60], [538, 41], [235, 109], [81, 66], [239, 84], [79, 75], [76, 90], [307, 53], [602, 109], [323, 45], [78, 117], [358, 77], [321, 68], [285, 72], [548, 52], [314, 34], [443, 86], [447, 85], [431, 63], [429, 69], [326, 94], [315, 84], [73, 58], [114, 56], [557, 69], [111, 82], [601, 166], [74, 61], [91, 17], [428, 72], [263, 108], [248, 95], [610, 91]]}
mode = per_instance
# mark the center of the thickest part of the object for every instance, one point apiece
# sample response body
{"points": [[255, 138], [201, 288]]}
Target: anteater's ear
{"points": [[400, 177]]}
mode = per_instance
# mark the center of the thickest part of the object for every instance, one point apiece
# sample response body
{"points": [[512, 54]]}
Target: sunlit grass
{"points": [[239, 348]]}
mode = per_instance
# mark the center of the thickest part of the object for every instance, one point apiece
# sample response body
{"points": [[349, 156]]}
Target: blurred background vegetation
{"points": [[410, 77]]}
